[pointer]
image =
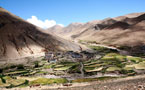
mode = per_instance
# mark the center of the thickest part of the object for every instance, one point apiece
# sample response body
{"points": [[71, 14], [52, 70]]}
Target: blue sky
{"points": [[68, 11]]}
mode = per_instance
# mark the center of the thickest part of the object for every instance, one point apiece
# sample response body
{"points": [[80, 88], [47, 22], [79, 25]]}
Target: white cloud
{"points": [[43, 24]]}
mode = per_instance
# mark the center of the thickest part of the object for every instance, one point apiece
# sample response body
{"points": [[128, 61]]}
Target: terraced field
{"points": [[110, 65]]}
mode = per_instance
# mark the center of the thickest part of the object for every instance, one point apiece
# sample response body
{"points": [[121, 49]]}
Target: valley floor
{"points": [[102, 68]]}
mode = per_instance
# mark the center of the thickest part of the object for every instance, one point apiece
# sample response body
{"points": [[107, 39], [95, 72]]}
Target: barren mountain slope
{"points": [[72, 30], [55, 29], [19, 38], [76, 29], [65, 32], [127, 32], [131, 15], [88, 30], [102, 24]]}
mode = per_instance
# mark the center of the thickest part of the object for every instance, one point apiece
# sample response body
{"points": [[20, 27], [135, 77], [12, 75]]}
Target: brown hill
{"points": [[114, 33], [127, 33], [55, 29], [19, 39], [84, 31], [65, 32], [73, 29], [76, 29], [132, 15]]}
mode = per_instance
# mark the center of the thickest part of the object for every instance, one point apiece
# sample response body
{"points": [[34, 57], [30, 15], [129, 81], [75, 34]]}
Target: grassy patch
{"points": [[102, 49], [12, 82], [140, 65], [94, 69], [62, 68], [134, 59], [20, 72], [110, 69], [80, 80], [46, 81], [48, 66]]}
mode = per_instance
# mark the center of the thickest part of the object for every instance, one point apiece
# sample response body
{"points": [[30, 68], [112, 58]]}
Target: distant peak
{"points": [[75, 24], [57, 25]]}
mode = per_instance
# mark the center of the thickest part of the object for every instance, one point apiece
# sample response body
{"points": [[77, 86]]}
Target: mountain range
{"points": [[20, 39], [122, 31]]}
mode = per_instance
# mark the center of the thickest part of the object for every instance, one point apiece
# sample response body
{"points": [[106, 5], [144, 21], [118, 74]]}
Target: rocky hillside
{"points": [[19, 39]]}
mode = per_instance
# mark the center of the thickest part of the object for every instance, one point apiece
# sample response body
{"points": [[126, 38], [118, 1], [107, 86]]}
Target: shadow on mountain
{"points": [[18, 38]]}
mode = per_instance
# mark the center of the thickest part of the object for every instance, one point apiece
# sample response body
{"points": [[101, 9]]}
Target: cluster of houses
{"points": [[69, 55]]}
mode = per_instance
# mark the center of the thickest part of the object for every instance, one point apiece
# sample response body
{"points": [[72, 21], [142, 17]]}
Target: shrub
{"points": [[20, 66], [36, 63]]}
